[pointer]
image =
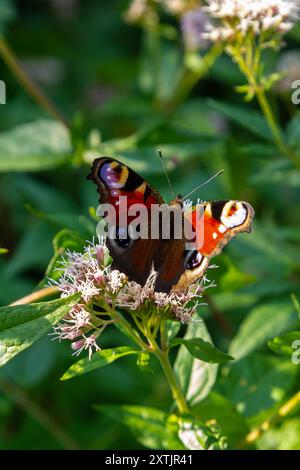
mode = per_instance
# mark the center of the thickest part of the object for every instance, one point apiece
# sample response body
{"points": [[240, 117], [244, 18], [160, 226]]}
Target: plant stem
{"points": [[281, 413], [173, 382], [40, 294], [32, 88], [40, 415], [129, 330], [270, 118], [251, 71]]}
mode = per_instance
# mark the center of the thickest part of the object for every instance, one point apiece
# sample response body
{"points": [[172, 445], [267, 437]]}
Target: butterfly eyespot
{"points": [[193, 259]]}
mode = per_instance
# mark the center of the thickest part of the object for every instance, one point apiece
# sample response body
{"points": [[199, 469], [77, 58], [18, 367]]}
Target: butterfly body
{"points": [[177, 262]]}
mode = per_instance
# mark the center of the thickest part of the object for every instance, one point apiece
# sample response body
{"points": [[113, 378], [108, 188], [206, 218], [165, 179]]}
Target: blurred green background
{"points": [[114, 83]]}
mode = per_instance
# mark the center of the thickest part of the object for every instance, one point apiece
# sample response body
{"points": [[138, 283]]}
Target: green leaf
{"points": [[3, 251], [232, 423], [276, 172], [257, 382], [172, 328], [296, 304], [260, 325], [284, 437], [284, 344], [23, 325], [197, 435], [7, 13], [36, 146], [65, 220], [196, 377], [153, 428], [99, 359], [203, 350], [63, 240], [293, 131], [143, 361], [245, 117]]}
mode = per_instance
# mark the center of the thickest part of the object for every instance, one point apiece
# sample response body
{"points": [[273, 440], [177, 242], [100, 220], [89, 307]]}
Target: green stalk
{"points": [[162, 355], [251, 73], [32, 88], [282, 412], [177, 394], [271, 120]]}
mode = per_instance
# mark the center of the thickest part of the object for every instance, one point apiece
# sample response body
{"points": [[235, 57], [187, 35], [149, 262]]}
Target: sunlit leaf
{"points": [[143, 362], [285, 344], [203, 350], [257, 382], [217, 407], [153, 428], [23, 325], [196, 377], [99, 359], [262, 324], [37, 146]]}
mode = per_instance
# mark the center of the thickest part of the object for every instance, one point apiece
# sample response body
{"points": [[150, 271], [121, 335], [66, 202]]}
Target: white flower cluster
{"points": [[243, 16], [180, 305], [91, 275]]}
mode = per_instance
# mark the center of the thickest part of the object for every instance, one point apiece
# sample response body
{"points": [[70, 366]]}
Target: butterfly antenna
{"points": [[166, 173], [203, 184]]}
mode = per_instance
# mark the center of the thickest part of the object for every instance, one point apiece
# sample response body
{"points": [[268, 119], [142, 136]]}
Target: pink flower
{"points": [[87, 343], [101, 286]]}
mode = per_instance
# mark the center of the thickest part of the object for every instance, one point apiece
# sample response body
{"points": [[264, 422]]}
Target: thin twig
{"points": [[27, 83], [39, 414], [282, 412], [40, 294]]}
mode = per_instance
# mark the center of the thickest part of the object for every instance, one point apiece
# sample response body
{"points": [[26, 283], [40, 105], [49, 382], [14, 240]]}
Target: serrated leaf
{"points": [[262, 324], [196, 377], [99, 359], [153, 428], [284, 344], [36, 146], [23, 325], [203, 350]]}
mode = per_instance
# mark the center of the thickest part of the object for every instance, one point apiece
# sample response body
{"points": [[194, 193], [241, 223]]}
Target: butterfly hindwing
{"points": [[220, 222]]}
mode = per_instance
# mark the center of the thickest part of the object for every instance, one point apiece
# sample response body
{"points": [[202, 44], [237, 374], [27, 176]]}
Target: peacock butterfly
{"points": [[176, 265]]}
